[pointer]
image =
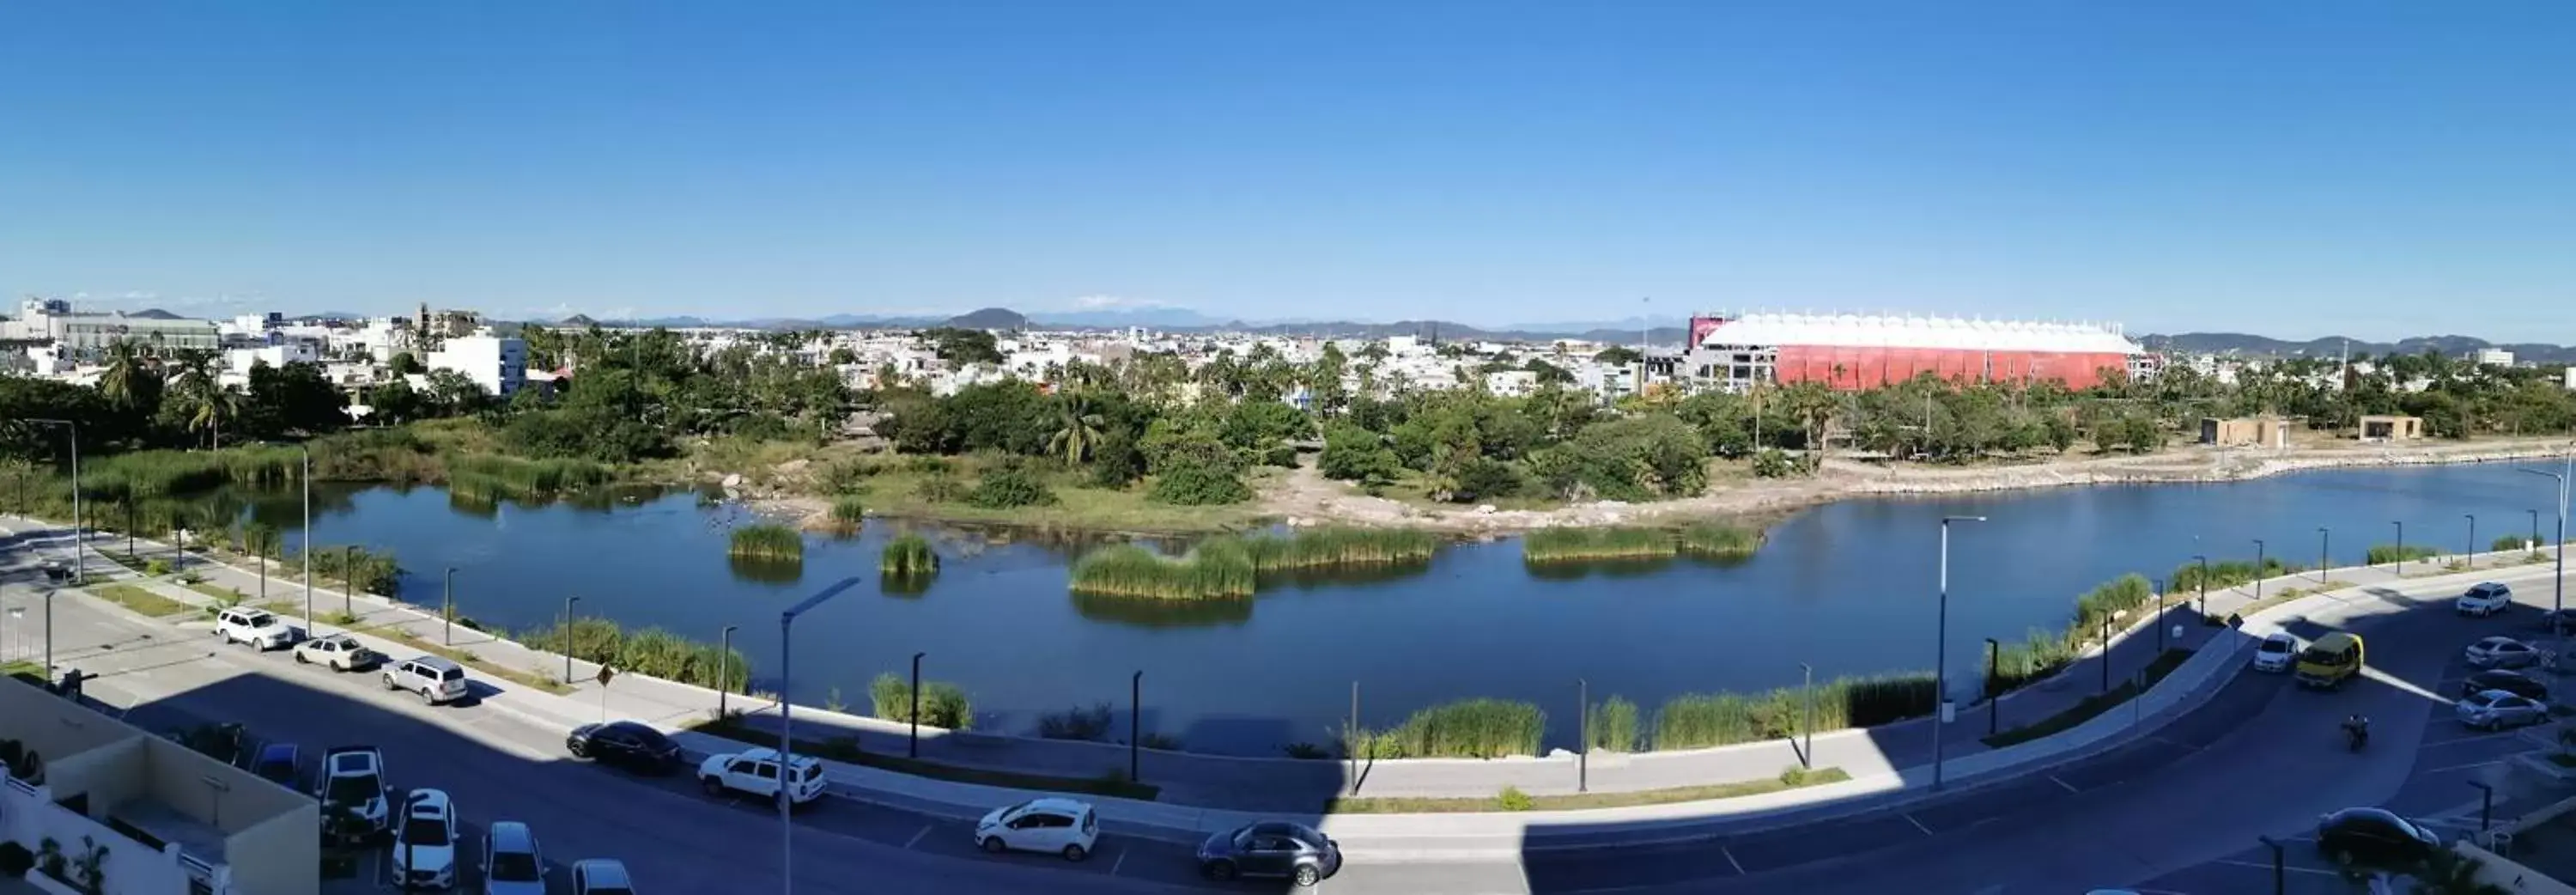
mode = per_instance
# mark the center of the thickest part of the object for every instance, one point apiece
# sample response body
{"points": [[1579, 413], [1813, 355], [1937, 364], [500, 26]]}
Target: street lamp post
{"points": [[2401, 545], [2325, 550], [2558, 581], [1583, 734], [2280, 876], [786, 722], [564, 643], [1135, 721], [1941, 650], [307, 549], [1808, 755], [724, 669], [2259, 569], [2159, 585], [2204, 584], [447, 609], [80, 537], [2535, 528], [349, 580], [912, 747]]}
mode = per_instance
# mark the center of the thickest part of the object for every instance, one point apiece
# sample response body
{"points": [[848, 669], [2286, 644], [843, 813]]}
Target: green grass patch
{"points": [[767, 541], [2094, 705], [848, 513], [221, 595], [1720, 541], [909, 557], [489, 477], [467, 658], [848, 752], [140, 600], [896, 489], [1576, 545], [1794, 778]]}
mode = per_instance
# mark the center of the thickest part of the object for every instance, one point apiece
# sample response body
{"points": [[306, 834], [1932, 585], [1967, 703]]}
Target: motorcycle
{"points": [[2356, 735]]}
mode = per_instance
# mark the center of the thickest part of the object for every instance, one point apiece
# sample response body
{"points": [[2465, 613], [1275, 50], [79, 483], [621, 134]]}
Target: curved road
{"points": [[2176, 809]]}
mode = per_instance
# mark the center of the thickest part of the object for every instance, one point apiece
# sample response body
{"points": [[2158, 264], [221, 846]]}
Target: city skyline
{"points": [[2378, 172]]}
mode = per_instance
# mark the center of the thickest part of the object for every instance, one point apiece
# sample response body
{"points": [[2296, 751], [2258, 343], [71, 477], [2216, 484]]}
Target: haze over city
{"points": [[2373, 170]]}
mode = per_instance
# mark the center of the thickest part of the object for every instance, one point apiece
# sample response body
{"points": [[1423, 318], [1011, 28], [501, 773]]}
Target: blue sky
{"points": [[2298, 169]]}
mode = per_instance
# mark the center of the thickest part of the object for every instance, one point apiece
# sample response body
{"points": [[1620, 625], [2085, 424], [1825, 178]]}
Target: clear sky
{"points": [[2297, 169]]}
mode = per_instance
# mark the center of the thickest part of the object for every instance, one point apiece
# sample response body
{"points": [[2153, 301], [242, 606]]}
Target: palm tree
{"points": [[1077, 431], [213, 404], [130, 373]]}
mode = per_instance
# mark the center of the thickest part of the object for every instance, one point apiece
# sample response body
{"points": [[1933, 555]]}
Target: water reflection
{"points": [[1606, 568], [904, 585], [766, 571], [1149, 612]]}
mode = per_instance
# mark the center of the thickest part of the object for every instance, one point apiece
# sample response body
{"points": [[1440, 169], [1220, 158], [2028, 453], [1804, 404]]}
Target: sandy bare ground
{"points": [[1305, 497]]}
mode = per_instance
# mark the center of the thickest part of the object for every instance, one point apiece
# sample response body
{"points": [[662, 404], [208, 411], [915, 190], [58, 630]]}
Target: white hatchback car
{"points": [[2276, 653], [1062, 826], [2485, 599]]}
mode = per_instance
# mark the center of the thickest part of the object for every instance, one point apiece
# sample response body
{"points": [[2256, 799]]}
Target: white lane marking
{"points": [[2263, 865], [1917, 824], [1731, 861], [2463, 767], [2454, 741], [2052, 778], [916, 837], [1121, 862]]}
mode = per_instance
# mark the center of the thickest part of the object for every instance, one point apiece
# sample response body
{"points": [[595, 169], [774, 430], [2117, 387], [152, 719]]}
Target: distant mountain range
{"points": [[1660, 331], [2243, 345]]}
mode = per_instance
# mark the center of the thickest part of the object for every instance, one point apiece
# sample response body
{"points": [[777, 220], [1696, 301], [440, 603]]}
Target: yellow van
{"points": [[2330, 661]]}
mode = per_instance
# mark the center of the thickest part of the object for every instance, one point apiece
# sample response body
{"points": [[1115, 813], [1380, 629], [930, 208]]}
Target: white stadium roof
{"points": [[1876, 331]]}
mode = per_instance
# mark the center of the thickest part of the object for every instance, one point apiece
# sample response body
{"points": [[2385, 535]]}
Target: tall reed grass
{"points": [[491, 476], [1216, 570], [848, 513], [652, 652], [1720, 541], [1473, 728], [2225, 574], [1564, 545], [943, 704], [1695, 721], [908, 556], [1338, 548], [1613, 725], [2381, 554], [767, 541]]}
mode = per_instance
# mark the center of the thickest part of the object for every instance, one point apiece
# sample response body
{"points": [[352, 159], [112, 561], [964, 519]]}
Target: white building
{"points": [[86, 334], [240, 360], [497, 364], [2492, 357]]}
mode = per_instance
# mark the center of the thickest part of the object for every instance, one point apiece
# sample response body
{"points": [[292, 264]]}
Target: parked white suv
{"points": [[425, 849], [437, 680], [755, 772], [354, 777], [2485, 599], [511, 863], [1062, 826], [259, 628]]}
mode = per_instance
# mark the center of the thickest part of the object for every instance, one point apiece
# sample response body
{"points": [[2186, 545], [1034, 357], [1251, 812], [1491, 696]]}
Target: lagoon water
{"points": [[1847, 587]]}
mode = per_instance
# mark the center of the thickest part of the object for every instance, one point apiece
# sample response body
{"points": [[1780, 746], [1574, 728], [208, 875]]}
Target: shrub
{"points": [[934, 465], [2512, 542], [843, 477], [156, 567], [767, 541], [1773, 463], [1004, 489], [939, 488], [1513, 799], [908, 556], [1163, 741], [1190, 483], [15, 860], [943, 704], [1486, 479], [2392, 553], [1077, 723], [848, 513], [1614, 725], [1306, 751], [1794, 776]]}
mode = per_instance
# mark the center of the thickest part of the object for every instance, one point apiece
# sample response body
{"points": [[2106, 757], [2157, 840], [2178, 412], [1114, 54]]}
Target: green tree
{"points": [[132, 379], [1077, 429], [404, 364]]}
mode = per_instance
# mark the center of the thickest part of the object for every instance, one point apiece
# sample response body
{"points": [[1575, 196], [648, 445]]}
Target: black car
{"points": [[1302, 854], [2514, 682], [626, 743], [2558, 621], [2374, 837]]}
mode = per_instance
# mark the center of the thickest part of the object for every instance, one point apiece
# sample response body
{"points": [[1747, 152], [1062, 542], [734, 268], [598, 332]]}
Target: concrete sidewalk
{"points": [[1200, 791]]}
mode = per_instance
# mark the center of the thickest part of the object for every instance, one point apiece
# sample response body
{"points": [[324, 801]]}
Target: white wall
{"points": [[130, 869]]}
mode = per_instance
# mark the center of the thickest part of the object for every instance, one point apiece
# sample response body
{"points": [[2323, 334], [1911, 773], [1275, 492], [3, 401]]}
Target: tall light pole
{"points": [[1583, 734], [2325, 551], [2535, 527], [724, 669], [1941, 651], [1807, 757], [447, 609], [1135, 723], [80, 538], [912, 747], [2401, 545], [308, 537], [2204, 584], [2558, 581], [2259, 569], [566, 644], [2471, 554], [786, 722]]}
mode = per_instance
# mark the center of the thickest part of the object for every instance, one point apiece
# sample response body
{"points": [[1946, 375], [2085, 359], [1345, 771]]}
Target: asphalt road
{"points": [[2179, 811]]}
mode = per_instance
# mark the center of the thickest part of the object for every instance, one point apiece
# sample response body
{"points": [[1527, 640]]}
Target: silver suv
{"points": [[437, 680]]}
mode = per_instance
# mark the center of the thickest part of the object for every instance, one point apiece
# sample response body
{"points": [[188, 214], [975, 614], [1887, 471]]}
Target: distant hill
{"points": [[2244, 345], [990, 318]]}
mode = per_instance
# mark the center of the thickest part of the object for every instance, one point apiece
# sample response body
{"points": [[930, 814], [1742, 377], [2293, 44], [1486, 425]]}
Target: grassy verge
{"points": [[140, 600], [2092, 706], [896, 491], [848, 751], [2287, 594], [220, 594], [24, 670], [1792, 779]]}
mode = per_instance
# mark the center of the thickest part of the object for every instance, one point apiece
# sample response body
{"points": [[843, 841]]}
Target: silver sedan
{"points": [[2497, 710]]}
